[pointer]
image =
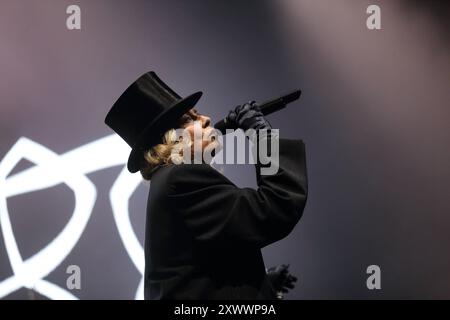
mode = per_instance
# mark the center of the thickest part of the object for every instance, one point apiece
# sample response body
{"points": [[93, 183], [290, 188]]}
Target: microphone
{"points": [[266, 108]]}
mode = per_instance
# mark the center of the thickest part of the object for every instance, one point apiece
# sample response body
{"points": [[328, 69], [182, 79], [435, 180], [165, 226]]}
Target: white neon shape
{"points": [[30, 272], [120, 193], [100, 154]]}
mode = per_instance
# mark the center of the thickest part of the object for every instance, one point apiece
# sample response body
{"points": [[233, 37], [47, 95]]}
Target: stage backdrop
{"points": [[374, 116]]}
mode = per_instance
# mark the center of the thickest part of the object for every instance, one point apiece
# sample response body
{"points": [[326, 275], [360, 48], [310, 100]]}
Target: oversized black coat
{"points": [[204, 234]]}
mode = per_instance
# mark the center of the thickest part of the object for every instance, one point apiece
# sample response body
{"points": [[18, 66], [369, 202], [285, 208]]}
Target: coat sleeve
{"points": [[218, 212]]}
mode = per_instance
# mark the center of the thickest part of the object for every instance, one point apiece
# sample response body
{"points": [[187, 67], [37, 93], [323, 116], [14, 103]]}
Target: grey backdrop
{"points": [[374, 116]]}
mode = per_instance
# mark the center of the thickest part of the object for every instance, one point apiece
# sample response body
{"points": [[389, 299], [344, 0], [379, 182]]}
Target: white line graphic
{"points": [[50, 170]]}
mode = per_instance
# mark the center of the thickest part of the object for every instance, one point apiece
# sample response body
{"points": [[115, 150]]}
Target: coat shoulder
{"points": [[185, 177]]}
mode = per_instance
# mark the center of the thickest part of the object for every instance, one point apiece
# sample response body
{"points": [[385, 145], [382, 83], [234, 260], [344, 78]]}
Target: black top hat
{"points": [[144, 112]]}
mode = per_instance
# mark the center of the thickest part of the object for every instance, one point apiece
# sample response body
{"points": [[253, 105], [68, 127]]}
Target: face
{"points": [[193, 120]]}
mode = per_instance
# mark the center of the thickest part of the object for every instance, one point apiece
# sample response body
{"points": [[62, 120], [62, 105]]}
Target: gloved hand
{"points": [[281, 279], [248, 116]]}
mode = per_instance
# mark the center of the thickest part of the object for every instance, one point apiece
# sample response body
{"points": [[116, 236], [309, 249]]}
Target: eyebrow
{"points": [[194, 113], [191, 114]]}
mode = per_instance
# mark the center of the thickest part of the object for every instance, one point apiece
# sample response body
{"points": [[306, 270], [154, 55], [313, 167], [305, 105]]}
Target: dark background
{"points": [[374, 115]]}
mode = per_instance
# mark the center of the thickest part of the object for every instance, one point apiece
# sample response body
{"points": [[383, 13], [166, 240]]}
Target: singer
{"points": [[203, 234]]}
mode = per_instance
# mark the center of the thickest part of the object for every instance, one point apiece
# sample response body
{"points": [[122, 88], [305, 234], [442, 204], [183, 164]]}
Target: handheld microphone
{"points": [[266, 108]]}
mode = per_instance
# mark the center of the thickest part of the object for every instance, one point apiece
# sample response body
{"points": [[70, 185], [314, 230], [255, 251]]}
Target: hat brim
{"points": [[153, 132]]}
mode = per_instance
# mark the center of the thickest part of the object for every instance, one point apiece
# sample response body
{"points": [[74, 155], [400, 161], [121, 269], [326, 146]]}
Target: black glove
{"points": [[281, 279], [248, 116]]}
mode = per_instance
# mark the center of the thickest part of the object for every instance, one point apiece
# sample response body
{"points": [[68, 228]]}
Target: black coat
{"points": [[204, 234]]}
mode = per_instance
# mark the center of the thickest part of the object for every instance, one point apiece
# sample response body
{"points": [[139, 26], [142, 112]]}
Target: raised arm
{"points": [[218, 212]]}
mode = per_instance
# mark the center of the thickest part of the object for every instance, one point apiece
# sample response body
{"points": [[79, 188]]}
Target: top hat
{"points": [[144, 112]]}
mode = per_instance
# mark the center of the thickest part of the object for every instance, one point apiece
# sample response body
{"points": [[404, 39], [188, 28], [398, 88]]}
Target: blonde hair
{"points": [[170, 151]]}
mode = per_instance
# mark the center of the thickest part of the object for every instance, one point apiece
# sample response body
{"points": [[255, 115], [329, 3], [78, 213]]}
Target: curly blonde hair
{"points": [[170, 151]]}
